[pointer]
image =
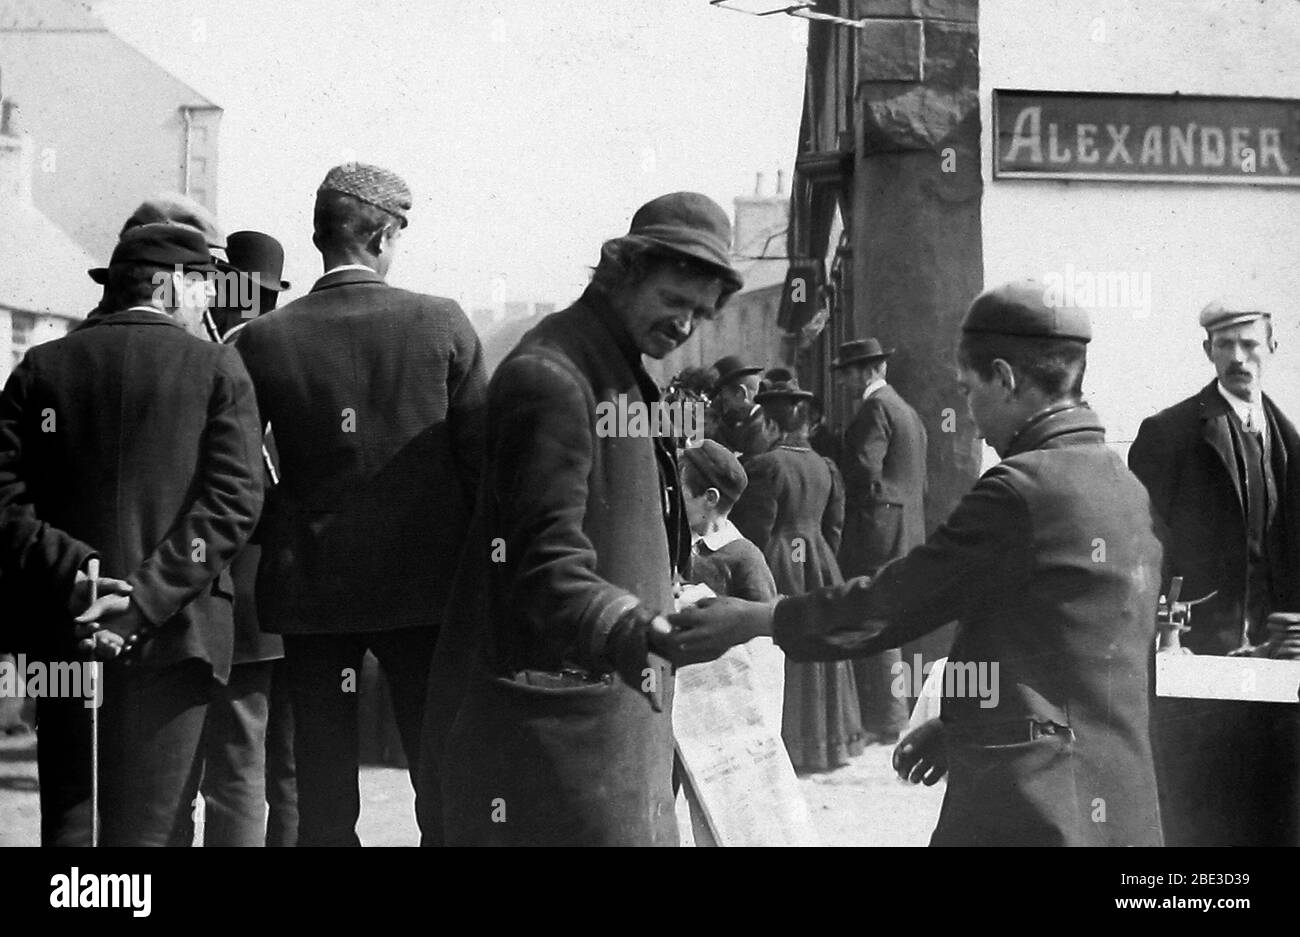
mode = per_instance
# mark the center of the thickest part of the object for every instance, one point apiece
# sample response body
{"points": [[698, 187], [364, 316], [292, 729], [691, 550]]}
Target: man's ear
{"points": [[1207, 345], [1004, 375], [377, 246]]}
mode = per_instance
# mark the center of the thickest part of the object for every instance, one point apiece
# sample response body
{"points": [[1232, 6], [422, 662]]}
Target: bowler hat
{"points": [[169, 208], [859, 350], [718, 467], [259, 256], [782, 390], [1221, 313], [689, 224], [163, 245], [730, 368], [1021, 308]]}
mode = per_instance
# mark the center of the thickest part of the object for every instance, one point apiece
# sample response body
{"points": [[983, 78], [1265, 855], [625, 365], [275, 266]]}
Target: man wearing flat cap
{"points": [[549, 712], [375, 396], [134, 442], [1049, 565], [739, 423], [1223, 470], [883, 464]]}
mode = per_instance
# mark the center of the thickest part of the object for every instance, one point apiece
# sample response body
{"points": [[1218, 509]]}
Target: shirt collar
{"points": [[873, 387], [716, 540], [1249, 413], [347, 267]]}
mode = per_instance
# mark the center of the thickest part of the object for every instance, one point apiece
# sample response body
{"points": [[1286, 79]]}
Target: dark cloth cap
{"points": [[730, 368], [252, 252], [782, 390], [719, 468], [1021, 308], [169, 208], [691, 224], [1220, 314], [164, 245], [860, 350], [372, 185]]}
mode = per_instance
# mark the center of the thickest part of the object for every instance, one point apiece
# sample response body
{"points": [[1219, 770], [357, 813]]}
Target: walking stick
{"points": [[92, 568]]}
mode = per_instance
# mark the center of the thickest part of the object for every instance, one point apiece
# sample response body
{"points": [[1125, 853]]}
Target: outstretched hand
{"points": [[706, 631]]}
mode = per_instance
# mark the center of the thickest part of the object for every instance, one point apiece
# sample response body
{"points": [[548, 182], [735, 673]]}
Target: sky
{"points": [[529, 131]]}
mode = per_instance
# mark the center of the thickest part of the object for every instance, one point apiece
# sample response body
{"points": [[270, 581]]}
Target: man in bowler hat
{"points": [[1050, 567], [375, 396], [883, 464], [739, 424], [135, 442], [549, 713], [1223, 470]]}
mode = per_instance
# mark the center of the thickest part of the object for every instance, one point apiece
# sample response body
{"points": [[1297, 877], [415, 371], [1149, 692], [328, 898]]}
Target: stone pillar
{"points": [[918, 258]]}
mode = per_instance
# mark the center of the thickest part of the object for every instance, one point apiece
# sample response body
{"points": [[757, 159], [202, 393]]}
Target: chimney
{"points": [[760, 221], [15, 157]]}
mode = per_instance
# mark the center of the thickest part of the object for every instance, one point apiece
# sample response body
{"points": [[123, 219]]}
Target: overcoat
{"points": [[1050, 567], [375, 395], [529, 738], [135, 441]]}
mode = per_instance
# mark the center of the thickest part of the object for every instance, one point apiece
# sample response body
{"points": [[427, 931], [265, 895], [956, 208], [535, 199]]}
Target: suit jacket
{"points": [[1050, 566], [884, 483], [375, 396], [133, 440], [573, 528], [1185, 458]]}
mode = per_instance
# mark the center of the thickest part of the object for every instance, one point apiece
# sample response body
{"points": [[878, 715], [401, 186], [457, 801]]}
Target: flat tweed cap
{"points": [[372, 185], [1222, 313], [1021, 308]]}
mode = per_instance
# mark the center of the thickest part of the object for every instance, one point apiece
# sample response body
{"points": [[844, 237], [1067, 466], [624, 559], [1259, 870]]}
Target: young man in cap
{"points": [[739, 420], [375, 396], [1223, 470], [1049, 566], [883, 463], [549, 719], [137, 443]]}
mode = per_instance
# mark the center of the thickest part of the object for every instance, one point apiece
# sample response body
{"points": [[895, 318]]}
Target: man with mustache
{"points": [[549, 718], [1223, 470]]}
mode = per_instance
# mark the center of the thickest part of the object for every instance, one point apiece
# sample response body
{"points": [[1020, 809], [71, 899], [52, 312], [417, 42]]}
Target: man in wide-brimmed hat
{"points": [[149, 458], [883, 462], [562, 713]]}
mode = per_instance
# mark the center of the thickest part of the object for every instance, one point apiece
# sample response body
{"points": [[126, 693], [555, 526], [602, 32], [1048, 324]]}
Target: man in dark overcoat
{"points": [[738, 423], [1223, 470], [883, 464], [375, 396], [1050, 566], [550, 720], [135, 442]]}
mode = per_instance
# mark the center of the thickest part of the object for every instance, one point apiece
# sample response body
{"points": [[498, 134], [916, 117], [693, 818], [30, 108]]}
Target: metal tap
{"points": [[1174, 617]]}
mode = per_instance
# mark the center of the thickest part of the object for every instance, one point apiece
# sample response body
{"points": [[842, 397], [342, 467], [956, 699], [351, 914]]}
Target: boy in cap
{"points": [[1223, 471], [375, 396], [1049, 565]]}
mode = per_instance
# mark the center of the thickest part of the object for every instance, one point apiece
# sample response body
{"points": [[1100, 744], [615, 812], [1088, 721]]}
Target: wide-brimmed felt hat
{"points": [[169, 208], [164, 245], [259, 256], [782, 390], [859, 350], [689, 224], [731, 367]]}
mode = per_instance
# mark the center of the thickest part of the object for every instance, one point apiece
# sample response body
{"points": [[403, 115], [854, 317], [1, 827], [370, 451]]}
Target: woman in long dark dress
{"points": [[793, 509]]}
